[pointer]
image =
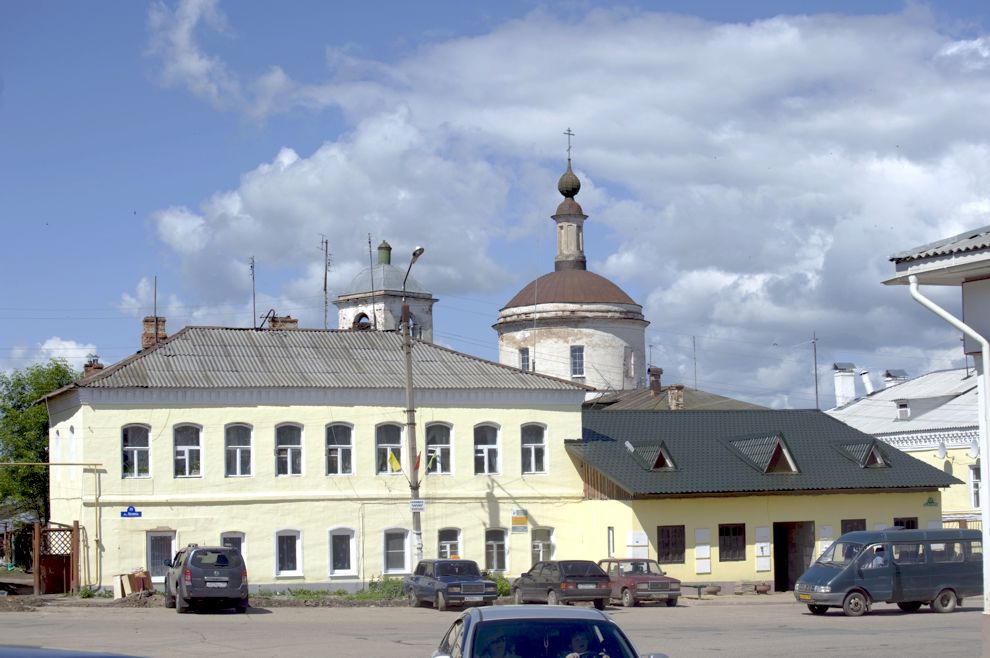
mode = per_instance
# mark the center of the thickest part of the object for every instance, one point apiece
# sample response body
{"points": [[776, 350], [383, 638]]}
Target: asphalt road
{"points": [[777, 627]]}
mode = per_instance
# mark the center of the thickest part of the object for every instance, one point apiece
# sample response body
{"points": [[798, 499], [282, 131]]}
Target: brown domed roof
{"points": [[570, 287]]}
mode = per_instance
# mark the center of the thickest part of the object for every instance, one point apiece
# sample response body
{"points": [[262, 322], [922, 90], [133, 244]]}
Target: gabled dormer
{"points": [[865, 453], [767, 453], [652, 457]]}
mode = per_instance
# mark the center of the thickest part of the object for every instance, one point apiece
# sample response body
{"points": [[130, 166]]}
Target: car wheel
{"points": [[242, 606], [909, 606], [413, 601], [552, 598], [181, 605], [628, 600], [599, 604], [517, 597], [817, 609], [169, 597], [441, 603], [672, 603], [945, 601], [855, 604]]}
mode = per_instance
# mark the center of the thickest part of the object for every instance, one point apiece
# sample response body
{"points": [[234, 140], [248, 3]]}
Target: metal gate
{"points": [[56, 559]]}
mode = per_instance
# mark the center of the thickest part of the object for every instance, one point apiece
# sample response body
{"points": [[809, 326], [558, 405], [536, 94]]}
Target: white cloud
{"points": [[745, 182]]}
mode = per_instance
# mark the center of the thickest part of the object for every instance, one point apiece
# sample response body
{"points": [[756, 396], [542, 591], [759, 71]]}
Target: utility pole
{"points": [[814, 352], [325, 246], [254, 299], [415, 503]]}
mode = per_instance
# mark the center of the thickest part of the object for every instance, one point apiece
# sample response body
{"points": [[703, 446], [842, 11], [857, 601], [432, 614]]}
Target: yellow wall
{"points": [[957, 500]]}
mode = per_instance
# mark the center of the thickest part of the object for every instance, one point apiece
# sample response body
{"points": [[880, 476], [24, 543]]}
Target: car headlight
{"points": [[454, 588], [823, 589], [642, 586]]}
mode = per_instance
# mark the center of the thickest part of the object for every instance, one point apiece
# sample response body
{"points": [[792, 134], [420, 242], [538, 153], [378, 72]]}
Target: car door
{"points": [[528, 582], [549, 580]]}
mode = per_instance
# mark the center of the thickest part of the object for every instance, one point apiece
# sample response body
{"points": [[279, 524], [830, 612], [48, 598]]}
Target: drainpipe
{"points": [[984, 390]]}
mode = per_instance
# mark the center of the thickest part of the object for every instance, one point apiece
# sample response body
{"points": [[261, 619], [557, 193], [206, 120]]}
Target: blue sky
{"points": [[747, 169]]}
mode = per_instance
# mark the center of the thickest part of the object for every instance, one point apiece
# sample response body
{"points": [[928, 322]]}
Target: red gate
{"points": [[56, 559]]}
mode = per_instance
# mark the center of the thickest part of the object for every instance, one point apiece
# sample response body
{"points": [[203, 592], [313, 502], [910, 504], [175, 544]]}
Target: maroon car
{"points": [[634, 580]]}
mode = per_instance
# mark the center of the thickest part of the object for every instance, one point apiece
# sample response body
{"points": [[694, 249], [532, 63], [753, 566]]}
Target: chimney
{"points": [[675, 397], [154, 331], [92, 366], [845, 383], [891, 377], [864, 376], [283, 322], [384, 253], [655, 374]]}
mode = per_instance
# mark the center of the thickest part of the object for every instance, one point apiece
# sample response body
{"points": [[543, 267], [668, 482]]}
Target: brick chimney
{"points": [[675, 397], [283, 322], [154, 331], [655, 374], [92, 366]]}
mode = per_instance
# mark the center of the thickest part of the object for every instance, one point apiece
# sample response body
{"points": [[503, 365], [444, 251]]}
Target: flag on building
{"points": [[393, 461]]}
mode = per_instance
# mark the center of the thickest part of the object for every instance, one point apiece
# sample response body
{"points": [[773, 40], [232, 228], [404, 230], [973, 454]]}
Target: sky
{"points": [[748, 170]]}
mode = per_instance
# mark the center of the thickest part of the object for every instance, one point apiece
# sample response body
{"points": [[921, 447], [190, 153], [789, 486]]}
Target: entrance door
{"points": [[161, 547], [793, 552]]}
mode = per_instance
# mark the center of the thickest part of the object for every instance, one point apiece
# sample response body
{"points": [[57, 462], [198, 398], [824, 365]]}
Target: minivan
{"points": [[908, 567]]}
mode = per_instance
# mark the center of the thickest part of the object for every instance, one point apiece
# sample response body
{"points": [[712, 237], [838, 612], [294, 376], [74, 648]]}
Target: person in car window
{"points": [[579, 646], [497, 647], [879, 558]]}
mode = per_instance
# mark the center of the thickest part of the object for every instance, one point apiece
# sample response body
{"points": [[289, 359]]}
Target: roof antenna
{"points": [[269, 316], [371, 273], [154, 296], [254, 299]]}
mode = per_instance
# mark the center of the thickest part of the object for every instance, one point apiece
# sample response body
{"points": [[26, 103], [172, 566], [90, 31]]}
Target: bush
{"points": [[86, 593], [501, 582], [308, 594], [384, 588]]}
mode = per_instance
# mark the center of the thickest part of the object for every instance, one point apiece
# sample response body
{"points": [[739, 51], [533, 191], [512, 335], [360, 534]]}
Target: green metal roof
{"points": [[722, 452]]}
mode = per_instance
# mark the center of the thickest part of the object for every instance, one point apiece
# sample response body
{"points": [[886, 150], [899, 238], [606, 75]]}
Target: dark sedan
{"points": [[449, 583], [563, 581]]}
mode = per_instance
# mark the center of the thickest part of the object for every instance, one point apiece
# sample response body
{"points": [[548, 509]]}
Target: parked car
{"points": [[201, 576], [633, 580], [563, 581], [911, 568], [513, 630], [446, 583]]}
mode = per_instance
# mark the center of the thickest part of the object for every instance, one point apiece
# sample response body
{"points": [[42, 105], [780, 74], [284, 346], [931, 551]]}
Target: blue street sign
{"points": [[130, 513]]}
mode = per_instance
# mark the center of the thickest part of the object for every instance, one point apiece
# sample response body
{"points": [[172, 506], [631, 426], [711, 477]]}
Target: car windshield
{"points": [[841, 553], [581, 569], [639, 567], [218, 558], [549, 637], [457, 569]]}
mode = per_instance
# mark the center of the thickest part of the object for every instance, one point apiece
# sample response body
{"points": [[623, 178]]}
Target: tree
{"points": [[24, 434]]}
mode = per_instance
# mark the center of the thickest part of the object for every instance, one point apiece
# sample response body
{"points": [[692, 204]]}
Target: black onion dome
{"points": [[569, 184]]}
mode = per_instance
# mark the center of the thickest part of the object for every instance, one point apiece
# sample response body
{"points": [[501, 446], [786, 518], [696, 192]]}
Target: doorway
{"points": [[793, 551]]}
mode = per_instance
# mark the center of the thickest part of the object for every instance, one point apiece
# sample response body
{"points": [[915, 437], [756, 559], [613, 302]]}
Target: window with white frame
{"points": [[485, 450], [135, 452], [288, 553], [438, 448], [187, 451], [388, 449], [974, 484], [339, 450], [448, 543], [233, 540], [288, 450], [533, 449], [495, 549], [237, 450], [161, 547], [524, 358], [396, 542], [542, 544], [342, 546], [577, 360]]}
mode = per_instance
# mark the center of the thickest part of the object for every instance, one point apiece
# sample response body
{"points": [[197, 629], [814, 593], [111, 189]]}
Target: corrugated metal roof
{"points": [[645, 400], [220, 357], [972, 240], [699, 442], [937, 400]]}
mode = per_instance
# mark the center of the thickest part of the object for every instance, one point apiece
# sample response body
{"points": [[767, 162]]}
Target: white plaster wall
{"points": [[199, 509]]}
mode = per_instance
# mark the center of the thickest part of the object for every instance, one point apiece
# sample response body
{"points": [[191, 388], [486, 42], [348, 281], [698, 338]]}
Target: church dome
{"points": [[570, 287], [382, 277]]}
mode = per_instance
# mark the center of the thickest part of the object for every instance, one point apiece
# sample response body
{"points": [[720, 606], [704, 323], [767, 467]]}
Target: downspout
{"points": [[984, 391]]}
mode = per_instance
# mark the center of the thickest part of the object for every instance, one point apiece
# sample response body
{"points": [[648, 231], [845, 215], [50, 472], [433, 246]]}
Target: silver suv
{"points": [[212, 576]]}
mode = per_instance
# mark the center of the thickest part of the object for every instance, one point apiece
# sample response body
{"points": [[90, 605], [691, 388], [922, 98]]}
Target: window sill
{"points": [[289, 574]]}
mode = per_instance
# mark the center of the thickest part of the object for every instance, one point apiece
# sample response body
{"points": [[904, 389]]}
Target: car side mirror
{"points": [[167, 563]]}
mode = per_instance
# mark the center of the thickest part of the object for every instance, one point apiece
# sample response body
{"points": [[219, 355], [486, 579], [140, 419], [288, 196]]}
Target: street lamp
{"points": [[415, 503]]}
